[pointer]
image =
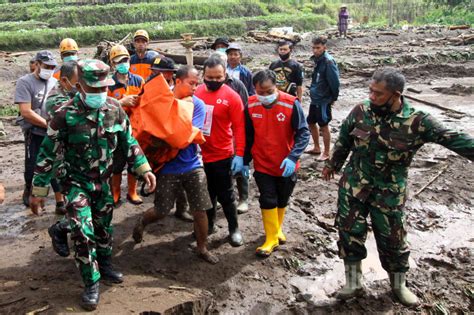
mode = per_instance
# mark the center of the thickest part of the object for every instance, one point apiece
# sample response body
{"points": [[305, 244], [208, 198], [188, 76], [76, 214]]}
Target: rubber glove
{"points": [[246, 171], [289, 167], [237, 164]]}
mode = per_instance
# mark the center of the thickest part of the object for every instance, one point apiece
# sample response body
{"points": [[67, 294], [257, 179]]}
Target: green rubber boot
{"points": [[353, 286], [398, 283]]}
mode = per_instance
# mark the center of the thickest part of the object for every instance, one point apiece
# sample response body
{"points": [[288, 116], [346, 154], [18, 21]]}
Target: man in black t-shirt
{"points": [[289, 72]]}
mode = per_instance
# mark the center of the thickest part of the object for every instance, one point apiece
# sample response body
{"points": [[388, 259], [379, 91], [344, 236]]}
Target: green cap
{"points": [[95, 73]]}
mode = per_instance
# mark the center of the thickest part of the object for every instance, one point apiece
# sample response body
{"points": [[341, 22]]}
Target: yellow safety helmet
{"points": [[142, 34], [68, 45], [118, 51]]}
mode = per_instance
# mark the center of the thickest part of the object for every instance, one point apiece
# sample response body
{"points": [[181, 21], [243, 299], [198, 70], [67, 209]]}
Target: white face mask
{"points": [[45, 74], [268, 99]]}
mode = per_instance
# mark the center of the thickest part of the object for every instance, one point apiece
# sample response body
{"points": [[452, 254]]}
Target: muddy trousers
{"points": [[90, 217], [388, 224]]}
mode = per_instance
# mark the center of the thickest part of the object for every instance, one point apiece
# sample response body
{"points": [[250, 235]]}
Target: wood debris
{"points": [[459, 27], [274, 36]]}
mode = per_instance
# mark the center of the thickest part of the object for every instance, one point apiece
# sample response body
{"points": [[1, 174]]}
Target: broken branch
{"points": [[431, 180], [433, 104]]}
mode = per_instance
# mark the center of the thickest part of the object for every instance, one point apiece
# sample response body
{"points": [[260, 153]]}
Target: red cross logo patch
{"points": [[281, 117]]}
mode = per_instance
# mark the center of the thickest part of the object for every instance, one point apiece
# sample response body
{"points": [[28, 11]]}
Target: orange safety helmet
{"points": [[118, 51], [142, 34], [68, 45]]}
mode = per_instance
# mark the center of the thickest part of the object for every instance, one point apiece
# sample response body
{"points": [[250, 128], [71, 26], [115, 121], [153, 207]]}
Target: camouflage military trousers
{"points": [[388, 224], [90, 217]]}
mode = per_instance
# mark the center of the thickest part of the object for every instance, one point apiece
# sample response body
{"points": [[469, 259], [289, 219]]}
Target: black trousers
{"points": [[220, 187], [32, 147], [275, 191]]}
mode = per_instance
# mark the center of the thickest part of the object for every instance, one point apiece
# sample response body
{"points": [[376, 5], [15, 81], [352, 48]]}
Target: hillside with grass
{"points": [[42, 24]]}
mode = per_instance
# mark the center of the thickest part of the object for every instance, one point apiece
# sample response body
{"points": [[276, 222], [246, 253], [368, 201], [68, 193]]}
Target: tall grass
{"points": [[47, 38], [72, 16]]}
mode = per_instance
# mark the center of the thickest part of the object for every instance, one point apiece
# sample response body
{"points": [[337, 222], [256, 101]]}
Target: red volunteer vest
{"points": [[274, 134]]}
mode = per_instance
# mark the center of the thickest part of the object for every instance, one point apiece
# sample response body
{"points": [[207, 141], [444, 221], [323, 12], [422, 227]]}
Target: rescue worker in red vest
{"points": [[277, 135], [68, 50], [126, 89], [142, 60]]}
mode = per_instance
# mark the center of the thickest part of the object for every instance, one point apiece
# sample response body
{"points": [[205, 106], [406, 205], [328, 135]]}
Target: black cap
{"points": [[163, 64], [220, 40], [46, 57]]}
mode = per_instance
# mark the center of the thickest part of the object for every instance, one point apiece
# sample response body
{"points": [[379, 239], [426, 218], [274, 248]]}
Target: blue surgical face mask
{"points": [[222, 49], [268, 99], [123, 67], [70, 58], [95, 100]]}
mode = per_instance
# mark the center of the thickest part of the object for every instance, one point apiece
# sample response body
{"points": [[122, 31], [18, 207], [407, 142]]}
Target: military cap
{"points": [[95, 73]]}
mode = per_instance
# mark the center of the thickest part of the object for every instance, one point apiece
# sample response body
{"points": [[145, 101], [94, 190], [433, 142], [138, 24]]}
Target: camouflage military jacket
{"points": [[89, 138], [55, 99], [383, 148]]}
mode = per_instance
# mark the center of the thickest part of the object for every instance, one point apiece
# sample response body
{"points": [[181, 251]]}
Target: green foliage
{"points": [[26, 25], [132, 14], [38, 39], [8, 111], [447, 15]]}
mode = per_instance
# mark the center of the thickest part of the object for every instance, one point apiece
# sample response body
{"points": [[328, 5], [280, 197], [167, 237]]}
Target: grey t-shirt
{"points": [[29, 89]]}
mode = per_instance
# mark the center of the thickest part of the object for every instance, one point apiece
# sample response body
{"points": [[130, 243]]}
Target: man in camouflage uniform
{"points": [[89, 127], [64, 90], [383, 134]]}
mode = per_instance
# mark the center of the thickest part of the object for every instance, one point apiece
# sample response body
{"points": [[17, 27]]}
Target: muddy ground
{"points": [[163, 274]]}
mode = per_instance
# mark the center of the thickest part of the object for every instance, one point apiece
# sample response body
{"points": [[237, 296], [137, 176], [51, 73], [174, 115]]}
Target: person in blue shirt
{"points": [[235, 68], [184, 172], [324, 91]]}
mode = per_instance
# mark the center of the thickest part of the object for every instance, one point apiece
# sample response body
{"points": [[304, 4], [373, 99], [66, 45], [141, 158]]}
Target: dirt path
{"points": [[163, 272]]}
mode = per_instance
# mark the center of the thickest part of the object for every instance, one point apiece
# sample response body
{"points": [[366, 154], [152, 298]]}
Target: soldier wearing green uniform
{"points": [[89, 128], [382, 135], [64, 90]]}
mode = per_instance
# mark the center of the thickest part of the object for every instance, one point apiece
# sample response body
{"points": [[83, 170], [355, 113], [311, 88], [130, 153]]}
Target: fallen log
{"points": [[417, 91], [459, 27], [181, 59], [388, 33], [175, 40], [12, 302], [434, 105]]}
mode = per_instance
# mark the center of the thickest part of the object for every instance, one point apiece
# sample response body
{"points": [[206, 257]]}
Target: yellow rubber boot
{"points": [[281, 217], [116, 181], [270, 224], [132, 195]]}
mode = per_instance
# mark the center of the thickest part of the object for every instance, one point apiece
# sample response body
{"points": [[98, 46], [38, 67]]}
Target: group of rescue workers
{"points": [[85, 121]]}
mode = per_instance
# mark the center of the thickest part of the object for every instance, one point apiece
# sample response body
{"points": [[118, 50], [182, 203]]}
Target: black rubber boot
{"points": [[211, 218], [107, 271], [90, 297], [26, 195], [230, 211], [58, 233]]}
